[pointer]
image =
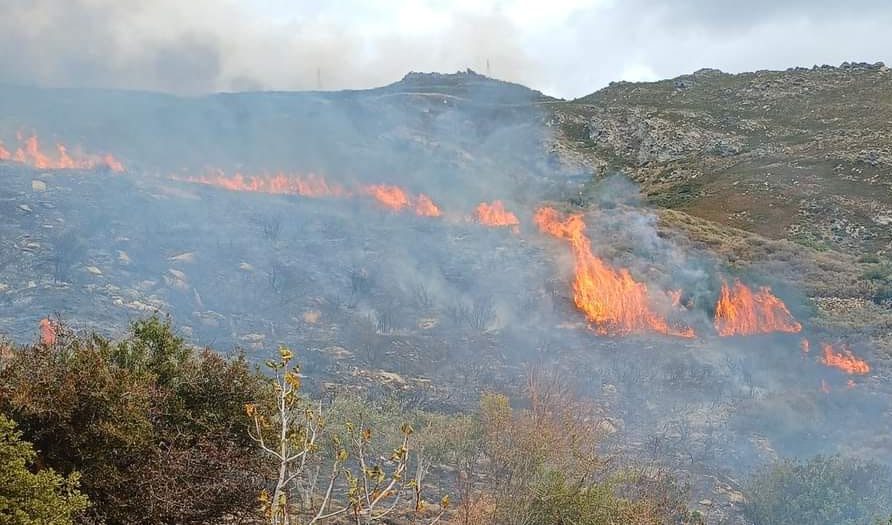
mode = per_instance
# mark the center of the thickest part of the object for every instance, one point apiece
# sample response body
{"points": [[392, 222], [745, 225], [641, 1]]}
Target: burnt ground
{"points": [[433, 311], [778, 178]]}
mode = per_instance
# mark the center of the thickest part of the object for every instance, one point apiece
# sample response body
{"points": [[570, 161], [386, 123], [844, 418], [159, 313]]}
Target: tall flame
{"points": [[494, 214], [612, 300], [739, 311], [30, 154], [844, 360]]}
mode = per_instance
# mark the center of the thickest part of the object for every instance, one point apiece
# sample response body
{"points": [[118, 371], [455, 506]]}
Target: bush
{"points": [[26, 498], [821, 491], [157, 431]]}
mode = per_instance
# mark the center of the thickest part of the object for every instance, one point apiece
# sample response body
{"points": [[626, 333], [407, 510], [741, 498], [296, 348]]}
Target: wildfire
{"points": [[391, 197], [279, 184], [30, 154], [739, 311], [612, 300], [316, 186], [47, 332], [844, 360], [396, 199], [425, 207], [494, 214]]}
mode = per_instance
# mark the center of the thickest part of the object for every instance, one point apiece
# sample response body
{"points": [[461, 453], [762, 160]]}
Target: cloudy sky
{"points": [[565, 48]]}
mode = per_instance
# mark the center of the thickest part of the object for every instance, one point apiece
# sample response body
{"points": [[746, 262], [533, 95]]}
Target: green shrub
{"points": [[821, 491], [157, 431], [33, 498]]}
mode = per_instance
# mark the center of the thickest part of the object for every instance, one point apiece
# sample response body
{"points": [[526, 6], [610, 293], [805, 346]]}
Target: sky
{"points": [[564, 48]]}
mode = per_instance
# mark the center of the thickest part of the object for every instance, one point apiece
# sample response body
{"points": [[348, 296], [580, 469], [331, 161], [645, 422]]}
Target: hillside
{"points": [[799, 159], [443, 236]]}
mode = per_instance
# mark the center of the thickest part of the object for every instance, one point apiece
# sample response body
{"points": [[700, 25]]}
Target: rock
{"points": [[123, 258], [38, 186], [311, 316], [94, 270], [337, 352], [25, 208], [177, 274], [427, 323], [3, 287], [391, 377], [187, 257], [245, 267], [253, 338], [705, 502]]}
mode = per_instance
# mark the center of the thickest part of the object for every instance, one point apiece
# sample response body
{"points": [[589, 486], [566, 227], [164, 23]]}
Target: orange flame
{"points": [[844, 360], [391, 197], [494, 214], [612, 300], [425, 207], [312, 185], [47, 332], [280, 184], [739, 311], [30, 154]]}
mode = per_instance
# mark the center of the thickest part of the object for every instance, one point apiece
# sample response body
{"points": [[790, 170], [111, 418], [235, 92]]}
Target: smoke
{"points": [[210, 45]]}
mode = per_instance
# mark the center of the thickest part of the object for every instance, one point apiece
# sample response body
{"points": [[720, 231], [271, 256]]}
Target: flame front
{"points": [[844, 360], [494, 214], [279, 184], [425, 207], [29, 153], [316, 186], [612, 300], [391, 197], [739, 311]]}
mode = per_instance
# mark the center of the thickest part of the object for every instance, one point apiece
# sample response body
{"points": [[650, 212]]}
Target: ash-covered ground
{"points": [[435, 310]]}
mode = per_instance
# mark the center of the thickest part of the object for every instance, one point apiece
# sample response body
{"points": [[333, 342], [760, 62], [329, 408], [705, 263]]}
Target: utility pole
{"points": [[487, 68], [319, 78]]}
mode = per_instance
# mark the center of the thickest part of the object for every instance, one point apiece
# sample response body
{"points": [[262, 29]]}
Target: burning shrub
{"points": [[821, 491], [156, 431]]}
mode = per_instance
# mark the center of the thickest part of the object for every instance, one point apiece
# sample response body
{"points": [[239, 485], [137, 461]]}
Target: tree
{"points": [[39, 498], [290, 429]]}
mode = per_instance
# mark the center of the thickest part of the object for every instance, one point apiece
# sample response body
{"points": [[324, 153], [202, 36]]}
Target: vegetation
{"points": [[156, 432], [26, 497], [153, 431], [821, 491]]}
